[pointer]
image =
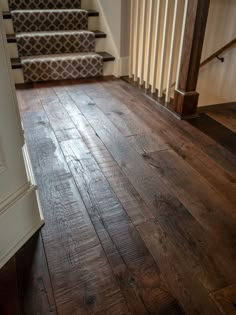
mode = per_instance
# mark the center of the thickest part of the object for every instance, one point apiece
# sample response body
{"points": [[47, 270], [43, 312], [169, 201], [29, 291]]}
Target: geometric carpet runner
{"points": [[53, 40], [49, 20], [62, 66], [44, 4], [57, 42]]}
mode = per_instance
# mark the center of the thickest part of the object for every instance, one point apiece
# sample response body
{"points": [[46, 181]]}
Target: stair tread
{"points": [[41, 4], [11, 38], [7, 14], [58, 56], [16, 62]]}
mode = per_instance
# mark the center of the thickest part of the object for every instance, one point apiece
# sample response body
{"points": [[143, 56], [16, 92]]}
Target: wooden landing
{"points": [[139, 208]]}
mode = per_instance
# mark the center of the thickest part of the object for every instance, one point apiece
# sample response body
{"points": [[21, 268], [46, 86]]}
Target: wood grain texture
{"points": [[9, 299], [225, 117], [34, 284], [226, 137], [135, 270], [74, 254], [139, 207], [226, 299], [141, 175]]}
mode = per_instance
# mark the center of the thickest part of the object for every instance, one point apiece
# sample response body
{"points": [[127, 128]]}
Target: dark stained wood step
{"points": [[16, 62], [11, 38], [215, 130], [217, 107], [106, 56], [7, 15]]}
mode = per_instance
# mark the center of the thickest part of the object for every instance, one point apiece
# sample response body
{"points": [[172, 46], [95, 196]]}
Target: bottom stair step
{"points": [[60, 67]]}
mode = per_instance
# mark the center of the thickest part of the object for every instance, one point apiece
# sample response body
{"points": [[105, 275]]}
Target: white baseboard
{"points": [[123, 66]]}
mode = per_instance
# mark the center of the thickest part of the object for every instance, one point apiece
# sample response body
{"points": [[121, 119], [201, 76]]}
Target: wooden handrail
{"points": [[218, 52], [213, 56]]}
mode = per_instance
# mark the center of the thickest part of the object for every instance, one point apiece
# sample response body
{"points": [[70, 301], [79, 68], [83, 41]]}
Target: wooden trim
{"points": [[218, 52], [196, 20], [213, 56]]}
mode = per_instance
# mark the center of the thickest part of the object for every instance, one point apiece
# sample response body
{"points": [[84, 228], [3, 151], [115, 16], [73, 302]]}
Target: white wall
{"points": [[219, 78], [115, 20], [112, 11]]}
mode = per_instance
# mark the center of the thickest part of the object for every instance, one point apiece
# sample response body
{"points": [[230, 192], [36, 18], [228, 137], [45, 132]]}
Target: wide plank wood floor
{"points": [[140, 208]]}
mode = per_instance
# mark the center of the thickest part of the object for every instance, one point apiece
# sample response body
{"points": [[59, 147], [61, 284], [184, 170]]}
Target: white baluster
{"points": [[136, 41], [156, 46], [143, 36], [181, 42], [131, 39], [171, 56], [149, 44], [163, 50]]}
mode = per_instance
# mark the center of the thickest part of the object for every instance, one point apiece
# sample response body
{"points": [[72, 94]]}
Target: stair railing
{"points": [[166, 42]]}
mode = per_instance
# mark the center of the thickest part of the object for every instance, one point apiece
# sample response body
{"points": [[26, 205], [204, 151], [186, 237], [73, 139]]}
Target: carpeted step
{"points": [[60, 67], [57, 42], [43, 4], [49, 20]]}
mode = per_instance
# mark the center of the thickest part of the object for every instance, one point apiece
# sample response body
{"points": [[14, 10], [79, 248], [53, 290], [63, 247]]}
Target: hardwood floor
{"points": [[140, 208]]}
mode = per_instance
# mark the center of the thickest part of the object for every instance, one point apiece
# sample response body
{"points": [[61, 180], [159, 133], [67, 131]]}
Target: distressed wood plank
{"points": [[131, 262], [34, 283], [226, 299], [224, 180], [73, 250], [130, 199], [129, 257], [9, 296], [139, 173]]}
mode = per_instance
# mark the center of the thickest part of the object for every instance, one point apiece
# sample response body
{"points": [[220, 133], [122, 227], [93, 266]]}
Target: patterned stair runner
{"points": [[53, 40], [49, 20], [63, 66], [59, 42], [44, 4]]}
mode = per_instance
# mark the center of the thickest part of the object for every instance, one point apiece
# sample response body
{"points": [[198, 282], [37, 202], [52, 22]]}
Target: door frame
{"points": [[20, 212]]}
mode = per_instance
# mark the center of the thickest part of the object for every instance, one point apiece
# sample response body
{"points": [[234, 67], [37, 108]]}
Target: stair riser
{"points": [[18, 76], [100, 45], [93, 24], [33, 45], [62, 68], [36, 21], [85, 4], [44, 4]]}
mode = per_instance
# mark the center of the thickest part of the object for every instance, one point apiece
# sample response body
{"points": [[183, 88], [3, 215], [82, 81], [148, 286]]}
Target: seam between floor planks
{"points": [[108, 180], [47, 107]]}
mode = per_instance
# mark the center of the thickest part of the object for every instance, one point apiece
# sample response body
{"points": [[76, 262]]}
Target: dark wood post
{"points": [[186, 96]]}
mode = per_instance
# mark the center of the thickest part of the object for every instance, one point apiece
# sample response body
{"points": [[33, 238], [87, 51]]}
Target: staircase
{"points": [[53, 40]]}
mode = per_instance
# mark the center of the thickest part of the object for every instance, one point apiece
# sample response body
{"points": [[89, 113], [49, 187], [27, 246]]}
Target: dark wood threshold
{"points": [[106, 56], [7, 15], [215, 130], [217, 107], [16, 62], [99, 34], [11, 38]]}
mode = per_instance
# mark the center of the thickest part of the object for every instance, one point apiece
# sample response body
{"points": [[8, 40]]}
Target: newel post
{"points": [[186, 97]]}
